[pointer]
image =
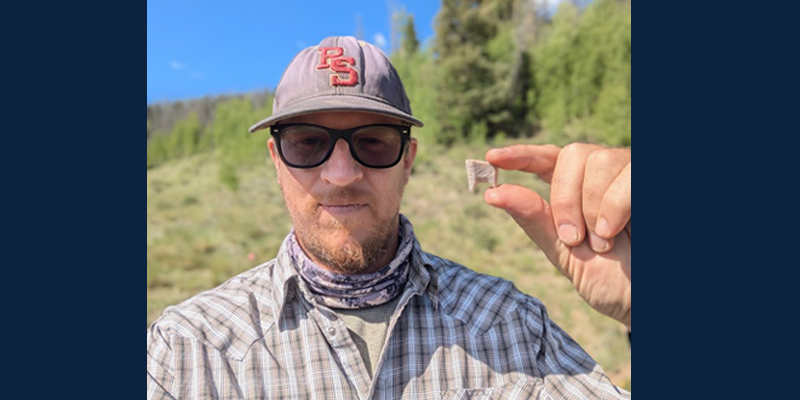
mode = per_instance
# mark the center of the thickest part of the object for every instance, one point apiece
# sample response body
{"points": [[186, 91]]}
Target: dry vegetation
{"points": [[199, 234]]}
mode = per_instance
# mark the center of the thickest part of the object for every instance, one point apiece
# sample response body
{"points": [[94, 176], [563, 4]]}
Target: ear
{"points": [[410, 156], [273, 152]]}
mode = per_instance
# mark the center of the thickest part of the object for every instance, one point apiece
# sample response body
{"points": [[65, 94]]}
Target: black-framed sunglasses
{"points": [[309, 145]]}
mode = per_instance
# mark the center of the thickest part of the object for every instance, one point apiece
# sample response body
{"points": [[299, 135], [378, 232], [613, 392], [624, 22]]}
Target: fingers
{"points": [[531, 213], [540, 160], [602, 168], [615, 206], [590, 188], [566, 192]]}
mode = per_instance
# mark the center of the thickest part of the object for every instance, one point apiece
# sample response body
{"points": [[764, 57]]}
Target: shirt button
{"points": [[332, 331]]}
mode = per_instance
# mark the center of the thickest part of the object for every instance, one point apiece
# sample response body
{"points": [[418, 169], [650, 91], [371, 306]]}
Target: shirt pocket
{"points": [[520, 389]]}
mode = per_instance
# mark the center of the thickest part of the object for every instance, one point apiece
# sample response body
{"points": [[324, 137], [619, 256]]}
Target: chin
{"points": [[355, 226], [342, 237], [333, 233]]}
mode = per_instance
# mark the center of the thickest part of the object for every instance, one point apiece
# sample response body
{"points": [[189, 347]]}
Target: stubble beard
{"points": [[354, 256]]}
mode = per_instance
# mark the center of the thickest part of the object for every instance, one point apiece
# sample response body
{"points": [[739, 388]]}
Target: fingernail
{"points": [[597, 243], [602, 227], [568, 233]]}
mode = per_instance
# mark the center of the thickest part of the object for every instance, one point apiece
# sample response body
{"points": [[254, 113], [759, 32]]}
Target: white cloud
{"points": [[379, 40], [176, 65]]}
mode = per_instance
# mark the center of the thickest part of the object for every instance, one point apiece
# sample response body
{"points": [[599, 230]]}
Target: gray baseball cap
{"points": [[340, 74]]}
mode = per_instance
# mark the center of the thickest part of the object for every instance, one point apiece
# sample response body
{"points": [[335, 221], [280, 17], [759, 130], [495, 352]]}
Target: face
{"points": [[345, 215]]}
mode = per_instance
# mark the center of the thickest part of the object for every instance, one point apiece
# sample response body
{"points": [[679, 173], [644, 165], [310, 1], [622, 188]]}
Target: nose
{"points": [[341, 169]]}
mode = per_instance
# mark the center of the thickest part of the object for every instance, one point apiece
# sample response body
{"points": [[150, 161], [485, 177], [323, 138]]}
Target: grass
{"points": [[199, 234]]}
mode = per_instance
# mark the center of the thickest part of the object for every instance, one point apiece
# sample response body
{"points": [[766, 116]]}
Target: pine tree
{"points": [[409, 39], [485, 71]]}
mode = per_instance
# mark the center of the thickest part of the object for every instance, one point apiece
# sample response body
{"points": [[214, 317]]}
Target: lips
{"points": [[339, 209], [343, 201]]}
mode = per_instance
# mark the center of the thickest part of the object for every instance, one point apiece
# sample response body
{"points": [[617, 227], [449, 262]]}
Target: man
{"points": [[352, 307]]}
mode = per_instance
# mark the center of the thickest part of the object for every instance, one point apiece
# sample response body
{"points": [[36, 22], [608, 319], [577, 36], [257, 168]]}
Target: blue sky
{"points": [[199, 48]]}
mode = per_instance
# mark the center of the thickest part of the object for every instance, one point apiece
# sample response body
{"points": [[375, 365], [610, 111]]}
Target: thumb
{"points": [[530, 211]]}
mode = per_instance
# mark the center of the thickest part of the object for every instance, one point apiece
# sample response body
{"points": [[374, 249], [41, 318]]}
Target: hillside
{"points": [[200, 233]]}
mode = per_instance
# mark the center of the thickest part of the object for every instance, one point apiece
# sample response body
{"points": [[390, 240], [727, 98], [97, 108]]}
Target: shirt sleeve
{"points": [[566, 369], [159, 356]]}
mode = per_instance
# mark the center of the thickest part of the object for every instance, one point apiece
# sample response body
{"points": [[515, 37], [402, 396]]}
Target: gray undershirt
{"points": [[367, 327]]}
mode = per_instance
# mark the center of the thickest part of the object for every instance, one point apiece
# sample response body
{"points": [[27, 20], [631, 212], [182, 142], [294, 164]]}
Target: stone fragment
{"points": [[481, 171]]}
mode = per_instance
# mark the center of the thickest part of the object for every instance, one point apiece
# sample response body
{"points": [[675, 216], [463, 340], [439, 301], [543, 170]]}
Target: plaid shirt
{"points": [[456, 334]]}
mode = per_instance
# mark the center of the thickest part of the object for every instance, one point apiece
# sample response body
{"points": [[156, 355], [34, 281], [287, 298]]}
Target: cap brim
{"points": [[336, 103]]}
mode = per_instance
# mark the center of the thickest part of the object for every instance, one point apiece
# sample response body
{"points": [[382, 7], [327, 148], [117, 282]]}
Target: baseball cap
{"points": [[340, 74]]}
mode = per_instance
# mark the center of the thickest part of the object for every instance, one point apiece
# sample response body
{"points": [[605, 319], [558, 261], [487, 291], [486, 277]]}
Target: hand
{"points": [[590, 192]]}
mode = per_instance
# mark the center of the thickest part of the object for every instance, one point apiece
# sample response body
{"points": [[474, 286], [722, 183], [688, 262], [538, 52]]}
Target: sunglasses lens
{"points": [[377, 146], [307, 146], [304, 145]]}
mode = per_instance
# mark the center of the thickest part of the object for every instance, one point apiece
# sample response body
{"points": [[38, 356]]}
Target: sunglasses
{"points": [[309, 145]]}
